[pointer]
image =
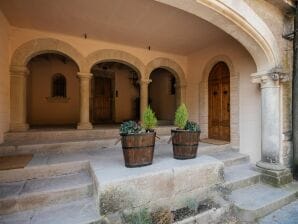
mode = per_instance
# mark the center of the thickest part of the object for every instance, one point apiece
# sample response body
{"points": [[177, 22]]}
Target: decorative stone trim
{"points": [[271, 78], [16, 70], [84, 75]]}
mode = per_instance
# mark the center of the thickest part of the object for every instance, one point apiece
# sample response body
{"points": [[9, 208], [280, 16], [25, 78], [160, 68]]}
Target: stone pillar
{"points": [[181, 94], [143, 96], [84, 101], [18, 98], [273, 171]]}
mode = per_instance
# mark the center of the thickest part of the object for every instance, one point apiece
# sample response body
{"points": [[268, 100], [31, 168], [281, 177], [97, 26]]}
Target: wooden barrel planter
{"points": [[138, 149], [185, 143]]}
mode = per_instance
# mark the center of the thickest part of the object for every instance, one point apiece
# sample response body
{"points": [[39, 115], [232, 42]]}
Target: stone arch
{"points": [[234, 98], [32, 48], [175, 69], [169, 65], [242, 23], [117, 56]]}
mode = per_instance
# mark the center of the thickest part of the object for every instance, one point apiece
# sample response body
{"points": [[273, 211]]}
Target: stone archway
{"points": [[174, 68], [117, 56], [242, 23], [19, 72]]}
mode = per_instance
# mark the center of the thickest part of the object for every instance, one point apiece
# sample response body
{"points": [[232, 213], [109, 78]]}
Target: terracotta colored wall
{"points": [[41, 111], [162, 101], [124, 103], [4, 75]]}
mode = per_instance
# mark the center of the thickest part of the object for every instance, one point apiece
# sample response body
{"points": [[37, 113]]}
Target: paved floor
{"points": [[286, 215]]}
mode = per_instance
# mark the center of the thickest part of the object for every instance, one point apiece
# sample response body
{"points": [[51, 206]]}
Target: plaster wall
{"points": [[42, 108], [4, 76], [244, 96], [127, 94], [163, 102]]}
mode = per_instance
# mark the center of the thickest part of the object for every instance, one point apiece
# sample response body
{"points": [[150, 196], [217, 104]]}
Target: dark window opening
{"points": [[58, 86], [173, 86]]}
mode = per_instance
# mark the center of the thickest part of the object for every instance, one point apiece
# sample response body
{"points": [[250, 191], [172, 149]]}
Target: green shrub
{"points": [[130, 127], [149, 119], [192, 126], [181, 116], [141, 216]]}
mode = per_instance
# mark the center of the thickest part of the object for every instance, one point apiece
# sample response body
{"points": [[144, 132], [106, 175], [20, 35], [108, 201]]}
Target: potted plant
{"points": [[185, 138], [138, 141]]}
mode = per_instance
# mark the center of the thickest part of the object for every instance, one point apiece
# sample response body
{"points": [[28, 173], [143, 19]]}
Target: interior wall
{"points": [[124, 94], [248, 105], [163, 103], [125, 106], [4, 76], [42, 108]]}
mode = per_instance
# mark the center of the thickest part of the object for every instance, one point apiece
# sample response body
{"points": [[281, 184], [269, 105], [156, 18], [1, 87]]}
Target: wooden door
{"points": [[219, 102], [102, 99]]}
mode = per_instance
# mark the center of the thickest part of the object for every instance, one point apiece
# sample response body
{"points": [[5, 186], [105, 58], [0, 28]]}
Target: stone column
{"points": [[143, 95], [273, 171], [18, 98], [181, 94], [84, 101]]}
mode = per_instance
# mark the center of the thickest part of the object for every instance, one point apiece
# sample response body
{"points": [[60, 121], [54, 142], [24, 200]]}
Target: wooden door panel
{"points": [[102, 99], [219, 102]]}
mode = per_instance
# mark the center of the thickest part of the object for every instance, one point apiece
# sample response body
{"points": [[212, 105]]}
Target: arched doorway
{"points": [[162, 95], [219, 102], [114, 93], [53, 91]]}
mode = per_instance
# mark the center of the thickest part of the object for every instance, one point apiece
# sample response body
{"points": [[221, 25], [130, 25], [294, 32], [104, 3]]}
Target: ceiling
{"points": [[139, 23]]}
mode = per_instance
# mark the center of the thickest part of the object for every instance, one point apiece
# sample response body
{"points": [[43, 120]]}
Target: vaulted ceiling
{"points": [[139, 23]]}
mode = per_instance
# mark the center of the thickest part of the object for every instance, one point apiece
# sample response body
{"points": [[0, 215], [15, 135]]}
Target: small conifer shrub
{"points": [[181, 116], [149, 119]]}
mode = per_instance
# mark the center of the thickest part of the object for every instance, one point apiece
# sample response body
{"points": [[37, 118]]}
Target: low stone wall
{"points": [[164, 187]]}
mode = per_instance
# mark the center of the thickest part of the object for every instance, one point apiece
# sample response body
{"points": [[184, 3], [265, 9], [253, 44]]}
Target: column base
{"points": [[19, 127], [84, 126], [274, 174]]}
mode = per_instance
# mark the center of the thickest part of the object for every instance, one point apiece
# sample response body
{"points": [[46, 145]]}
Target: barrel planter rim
{"points": [[138, 154], [138, 134], [183, 130]]}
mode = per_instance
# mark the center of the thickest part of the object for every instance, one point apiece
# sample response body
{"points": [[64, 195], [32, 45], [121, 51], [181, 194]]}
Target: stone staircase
{"points": [[62, 193], [58, 185]]}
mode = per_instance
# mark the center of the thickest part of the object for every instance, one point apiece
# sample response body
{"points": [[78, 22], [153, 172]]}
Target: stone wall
{"points": [[4, 75]]}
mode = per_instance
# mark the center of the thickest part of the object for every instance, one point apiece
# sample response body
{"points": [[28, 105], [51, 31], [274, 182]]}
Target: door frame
{"points": [[221, 102], [103, 74]]}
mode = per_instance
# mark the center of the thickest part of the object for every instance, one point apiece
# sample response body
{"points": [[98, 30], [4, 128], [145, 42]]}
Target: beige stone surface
{"points": [[4, 75]]}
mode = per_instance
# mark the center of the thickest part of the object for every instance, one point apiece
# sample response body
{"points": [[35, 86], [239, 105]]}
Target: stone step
{"points": [[286, 215], [43, 170], [230, 157], [39, 136], [35, 193], [83, 211], [65, 147], [258, 200], [240, 176]]}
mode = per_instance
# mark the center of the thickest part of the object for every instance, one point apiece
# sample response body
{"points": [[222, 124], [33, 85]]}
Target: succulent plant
{"points": [[192, 126], [130, 127]]}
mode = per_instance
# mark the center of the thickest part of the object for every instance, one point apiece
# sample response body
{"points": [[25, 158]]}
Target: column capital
{"points": [[270, 78], [145, 81], [16, 70], [84, 75]]}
